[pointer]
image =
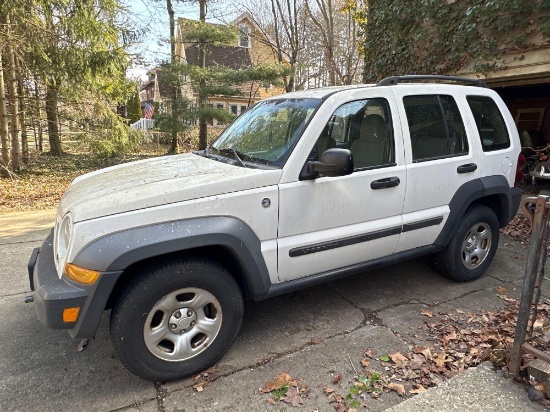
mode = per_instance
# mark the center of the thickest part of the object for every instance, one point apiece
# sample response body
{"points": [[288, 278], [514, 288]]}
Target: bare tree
{"points": [[13, 104], [318, 38], [288, 29], [4, 133], [324, 20]]}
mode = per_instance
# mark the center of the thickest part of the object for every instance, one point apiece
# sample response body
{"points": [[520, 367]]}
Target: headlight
{"points": [[63, 239]]}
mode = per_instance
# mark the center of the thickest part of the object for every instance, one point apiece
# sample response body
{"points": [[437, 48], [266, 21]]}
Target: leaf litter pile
{"points": [[41, 183], [519, 228], [455, 342]]}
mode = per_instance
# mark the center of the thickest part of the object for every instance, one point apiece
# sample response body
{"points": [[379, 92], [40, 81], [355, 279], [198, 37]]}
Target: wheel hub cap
{"points": [[477, 245], [182, 320], [182, 324]]}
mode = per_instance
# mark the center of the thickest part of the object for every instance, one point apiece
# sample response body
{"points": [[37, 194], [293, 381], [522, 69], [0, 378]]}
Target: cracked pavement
{"points": [[310, 334]]}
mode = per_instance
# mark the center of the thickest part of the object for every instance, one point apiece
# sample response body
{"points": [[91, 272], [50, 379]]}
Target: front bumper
{"points": [[51, 294]]}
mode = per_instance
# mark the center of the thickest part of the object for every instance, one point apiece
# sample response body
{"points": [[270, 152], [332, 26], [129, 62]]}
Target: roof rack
{"points": [[390, 81]]}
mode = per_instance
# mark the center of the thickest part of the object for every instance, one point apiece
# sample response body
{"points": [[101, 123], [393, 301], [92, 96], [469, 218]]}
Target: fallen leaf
{"points": [[365, 363], [281, 379], [424, 351], [336, 378], [427, 313], [501, 289], [369, 353], [418, 389], [460, 311], [271, 401], [327, 389], [83, 344], [293, 398], [400, 389], [384, 358], [441, 359], [398, 359], [450, 336]]}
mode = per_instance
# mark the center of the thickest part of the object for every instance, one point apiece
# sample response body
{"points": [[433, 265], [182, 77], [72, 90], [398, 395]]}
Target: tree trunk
{"points": [[38, 116], [52, 95], [23, 120], [175, 86], [4, 132], [203, 127], [12, 90]]}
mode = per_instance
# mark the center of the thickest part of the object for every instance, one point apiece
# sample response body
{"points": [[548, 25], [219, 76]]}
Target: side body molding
{"points": [[117, 251], [509, 200]]}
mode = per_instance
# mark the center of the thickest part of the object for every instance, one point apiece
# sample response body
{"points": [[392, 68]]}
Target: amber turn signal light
{"points": [[81, 275], [70, 315]]}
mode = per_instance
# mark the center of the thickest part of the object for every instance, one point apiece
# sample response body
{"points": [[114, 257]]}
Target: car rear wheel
{"points": [[176, 319], [472, 247]]}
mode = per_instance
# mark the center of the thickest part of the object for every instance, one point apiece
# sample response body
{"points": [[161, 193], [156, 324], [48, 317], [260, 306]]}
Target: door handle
{"points": [[384, 183], [469, 167]]}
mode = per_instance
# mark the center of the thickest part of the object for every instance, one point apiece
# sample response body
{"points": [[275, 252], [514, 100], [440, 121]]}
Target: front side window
{"points": [[267, 132], [490, 124], [435, 127], [364, 127]]}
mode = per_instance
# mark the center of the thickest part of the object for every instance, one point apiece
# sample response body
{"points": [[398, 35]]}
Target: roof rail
{"points": [[390, 81]]}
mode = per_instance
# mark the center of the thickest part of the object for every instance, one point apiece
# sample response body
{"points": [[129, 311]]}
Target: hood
{"points": [[155, 182]]}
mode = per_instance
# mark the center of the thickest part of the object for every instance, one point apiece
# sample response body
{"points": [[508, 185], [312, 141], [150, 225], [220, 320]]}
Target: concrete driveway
{"points": [[311, 335]]}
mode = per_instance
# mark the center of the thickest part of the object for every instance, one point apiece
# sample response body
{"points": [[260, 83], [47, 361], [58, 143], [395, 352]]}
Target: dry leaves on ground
{"points": [[205, 379], [286, 389], [519, 229], [460, 340]]}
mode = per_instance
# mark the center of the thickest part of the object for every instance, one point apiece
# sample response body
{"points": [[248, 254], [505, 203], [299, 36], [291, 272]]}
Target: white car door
{"points": [[329, 223], [440, 155]]}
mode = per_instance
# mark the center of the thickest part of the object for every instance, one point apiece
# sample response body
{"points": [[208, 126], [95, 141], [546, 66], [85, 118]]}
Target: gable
{"points": [[232, 57]]}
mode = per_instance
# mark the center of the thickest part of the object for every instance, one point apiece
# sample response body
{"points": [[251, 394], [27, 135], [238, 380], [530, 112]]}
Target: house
{"points": [[251, 48], [522, 79], [155, 90]]}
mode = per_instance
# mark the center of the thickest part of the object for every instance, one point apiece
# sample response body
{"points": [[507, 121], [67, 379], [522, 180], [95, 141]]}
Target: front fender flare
{"points": [[117, 251]]}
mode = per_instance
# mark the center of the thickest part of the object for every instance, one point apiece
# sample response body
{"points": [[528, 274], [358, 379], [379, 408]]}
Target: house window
{"points": [[219, 106], [243, 108], [234, 109], [211, 121], [244, 35]]}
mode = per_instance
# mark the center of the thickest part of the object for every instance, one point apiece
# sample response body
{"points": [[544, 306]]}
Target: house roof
{"points": [[232, 57]]}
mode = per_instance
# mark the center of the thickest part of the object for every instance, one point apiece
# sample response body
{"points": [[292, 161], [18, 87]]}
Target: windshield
{"points": [[267, 132]]}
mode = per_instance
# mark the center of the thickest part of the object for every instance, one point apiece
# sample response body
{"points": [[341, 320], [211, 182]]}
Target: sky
{"points": [[152, 17]]}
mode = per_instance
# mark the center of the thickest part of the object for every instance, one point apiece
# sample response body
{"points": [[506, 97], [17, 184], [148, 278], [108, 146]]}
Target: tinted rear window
{"points": [[435, 127], [490, 123]]}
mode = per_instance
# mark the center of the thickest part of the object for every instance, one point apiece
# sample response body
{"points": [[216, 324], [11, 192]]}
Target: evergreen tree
{"points": [[133, 108], [217, 80]]}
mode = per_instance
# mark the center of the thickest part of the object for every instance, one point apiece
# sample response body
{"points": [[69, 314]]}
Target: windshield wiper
{"points": [[234, 153]]}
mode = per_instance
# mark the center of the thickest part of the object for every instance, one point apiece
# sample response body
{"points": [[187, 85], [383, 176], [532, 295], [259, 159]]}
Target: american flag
{"points": [[148, 111]]}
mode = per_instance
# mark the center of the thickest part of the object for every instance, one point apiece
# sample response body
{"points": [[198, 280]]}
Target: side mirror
{"points": [[333, 162]]}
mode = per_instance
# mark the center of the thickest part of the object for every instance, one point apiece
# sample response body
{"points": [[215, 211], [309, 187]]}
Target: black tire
{"points": [[472, 247], [148, 311]]}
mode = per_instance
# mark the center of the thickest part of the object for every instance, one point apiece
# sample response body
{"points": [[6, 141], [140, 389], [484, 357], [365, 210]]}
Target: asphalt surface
{"points": [[312, 335]]}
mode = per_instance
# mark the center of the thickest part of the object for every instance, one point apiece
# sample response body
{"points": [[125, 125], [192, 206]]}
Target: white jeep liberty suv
{"points": [[300, 189]]}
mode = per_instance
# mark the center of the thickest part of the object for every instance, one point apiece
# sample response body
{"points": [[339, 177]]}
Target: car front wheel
{"points": [[176, 319]]}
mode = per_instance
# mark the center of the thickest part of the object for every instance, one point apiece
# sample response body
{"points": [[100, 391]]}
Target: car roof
{"points": [[410, 80], [320, 93]]}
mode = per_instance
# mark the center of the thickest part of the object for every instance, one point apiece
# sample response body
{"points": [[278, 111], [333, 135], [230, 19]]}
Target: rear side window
{"points": [[490, 123], [435, 127]]}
